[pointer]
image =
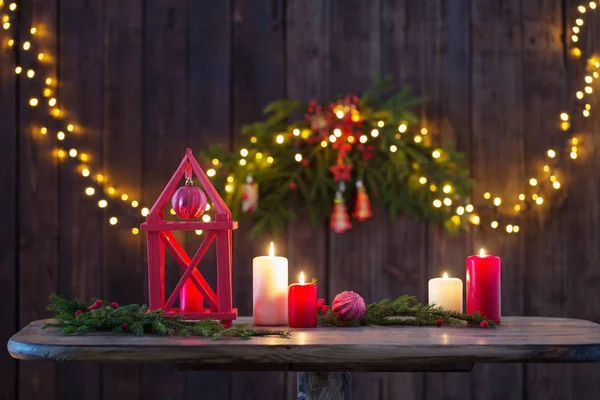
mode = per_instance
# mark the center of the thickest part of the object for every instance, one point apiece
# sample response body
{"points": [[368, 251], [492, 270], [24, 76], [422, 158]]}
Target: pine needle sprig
{"points": [[137, 320], [405, 310]]}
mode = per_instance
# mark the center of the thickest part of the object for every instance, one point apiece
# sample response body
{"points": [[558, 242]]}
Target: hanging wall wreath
{"points": [[333, 158]]}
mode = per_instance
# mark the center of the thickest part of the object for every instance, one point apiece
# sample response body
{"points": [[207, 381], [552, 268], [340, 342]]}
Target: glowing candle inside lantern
{"points": [[483, 285], [446, 292], [302, 304], [270, 289]]}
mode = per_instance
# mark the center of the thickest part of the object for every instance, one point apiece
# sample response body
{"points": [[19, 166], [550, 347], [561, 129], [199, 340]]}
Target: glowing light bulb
{"points": [[124, 197], [30, 73], [198, 232], [206, 218], [487, 195], [517, 208], [33, 102], [585, 113], [424, 131], [228, 188], [52, 102], [402, 128], [351, 139], [539, 200], [73, 153], [469, 208], [515, 228], [296, 132], [432, 187], [270, 160], [521, 197], [11, 42], [43, 130], [134, 203], [375, 132], [135, 231], [90, 191], [258, 155], [393, 148], [579, 22], [588, 79], [460, 210], [574, 38], [579, 94], [556, 185], [40, 56], [33, 30], [18, 70], [145, 211], [26, 46], [546, 168], [253, 139], [588, 89], [298, 157], [573, 155], [244, 152], [380, 124], [230, 179], [475, 220], [494, 224], [588, 106], [102, 203], [418, 139], [279, 139], [592, 5], [437, 203], [60, 135], [509, 228], [497, 201], [447, 189], [113, 220], [111, 190], [533, 182], [172, 212], [575, 29], [211, 172], [422, 180], [363, 139], [60, 153], [207, 207], [436, 154], [339, 114], [447, 201], [564, 116], [215, 162], [337, 132], [242, 162], [85, 172], [70, 127], [12, 6], [581, 9], [48, 81], [534, 196], [565, 126], [332, 138], [551, 153], [323, 143]]}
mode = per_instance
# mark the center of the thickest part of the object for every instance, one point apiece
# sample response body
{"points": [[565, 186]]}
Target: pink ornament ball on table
{"points": [[349, 306], [189, 201]]}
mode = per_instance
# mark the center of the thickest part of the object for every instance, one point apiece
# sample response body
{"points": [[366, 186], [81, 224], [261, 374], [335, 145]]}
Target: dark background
{"points": [[146, 78]]}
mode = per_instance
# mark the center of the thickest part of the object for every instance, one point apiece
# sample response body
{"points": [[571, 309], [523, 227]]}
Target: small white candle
{"points": [[446, 292], [270, 289]]}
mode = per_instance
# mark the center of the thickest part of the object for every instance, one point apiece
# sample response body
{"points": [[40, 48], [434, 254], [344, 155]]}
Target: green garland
{"points": [[389, 312], [73, 317], [289, 156], [137, 320]]}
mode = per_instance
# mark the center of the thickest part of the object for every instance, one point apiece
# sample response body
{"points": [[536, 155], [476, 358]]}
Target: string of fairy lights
{"points": [[504, 211]]}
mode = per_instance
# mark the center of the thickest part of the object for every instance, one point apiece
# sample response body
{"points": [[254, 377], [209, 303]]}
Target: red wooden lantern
{"points": [[160, 237]]}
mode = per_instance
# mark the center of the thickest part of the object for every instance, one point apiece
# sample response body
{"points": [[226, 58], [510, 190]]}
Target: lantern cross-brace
{"points": [[159, 237]]}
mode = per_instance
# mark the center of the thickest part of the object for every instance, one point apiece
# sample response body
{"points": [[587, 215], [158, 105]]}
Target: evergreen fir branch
{"points": [[405, 310], [140, 321]]}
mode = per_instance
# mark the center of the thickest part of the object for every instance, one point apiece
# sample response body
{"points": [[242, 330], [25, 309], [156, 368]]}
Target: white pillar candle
{"points": [[270, 289], [446, 292]]}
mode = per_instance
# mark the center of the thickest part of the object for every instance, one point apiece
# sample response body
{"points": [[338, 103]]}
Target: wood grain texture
{"points": [[124, 268], [38, 194], [9, 228], [81, 57], [518, 339], [498, 159]]}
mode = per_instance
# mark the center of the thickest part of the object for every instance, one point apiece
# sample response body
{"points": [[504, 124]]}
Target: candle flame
{"points": [[302, 278], [271, 250], [445, 275], [482, 253]]}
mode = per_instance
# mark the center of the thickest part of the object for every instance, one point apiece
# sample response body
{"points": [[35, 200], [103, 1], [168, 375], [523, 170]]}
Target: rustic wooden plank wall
{"points": [[146, 78]]}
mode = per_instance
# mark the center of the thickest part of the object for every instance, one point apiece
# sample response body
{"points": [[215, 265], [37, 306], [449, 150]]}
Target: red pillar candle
{"points": [[302, 304], [191, 299], [483, 285]]}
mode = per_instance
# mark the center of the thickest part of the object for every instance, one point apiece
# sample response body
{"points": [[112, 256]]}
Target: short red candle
{"points": [[483, 286], [302, 304], [191, 299]]}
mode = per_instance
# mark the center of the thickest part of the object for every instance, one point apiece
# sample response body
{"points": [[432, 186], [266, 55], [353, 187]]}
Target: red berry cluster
{"points": [[322, 306]]}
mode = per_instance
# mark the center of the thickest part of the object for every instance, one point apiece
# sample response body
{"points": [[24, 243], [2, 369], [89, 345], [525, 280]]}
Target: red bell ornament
{"points": [[189, 201]]}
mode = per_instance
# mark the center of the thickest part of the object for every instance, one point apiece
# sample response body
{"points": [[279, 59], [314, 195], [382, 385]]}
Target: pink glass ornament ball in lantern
{"points": [[189, 201]]}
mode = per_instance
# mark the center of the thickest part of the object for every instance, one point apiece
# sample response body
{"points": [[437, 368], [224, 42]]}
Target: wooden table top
{"points": [[402, 348]]}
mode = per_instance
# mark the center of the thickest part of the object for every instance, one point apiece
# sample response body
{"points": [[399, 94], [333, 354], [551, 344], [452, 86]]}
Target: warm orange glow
{"points": [[302, 278], [445, 275], [482, 253], [271, 250]]}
